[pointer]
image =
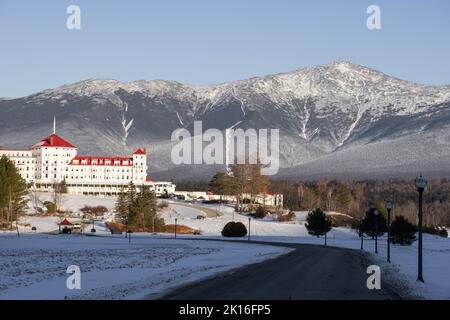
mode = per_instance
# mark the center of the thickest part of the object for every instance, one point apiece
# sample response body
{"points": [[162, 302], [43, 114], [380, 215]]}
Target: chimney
{"points": [[145, 150]]}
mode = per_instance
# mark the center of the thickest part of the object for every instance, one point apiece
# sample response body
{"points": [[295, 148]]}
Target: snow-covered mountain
{"points": [[339, 119]]}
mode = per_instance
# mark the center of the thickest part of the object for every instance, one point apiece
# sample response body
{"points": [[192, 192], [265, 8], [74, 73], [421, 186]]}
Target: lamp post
{"points": [[153, 224], [376, 213], [361, 232], [389, 206], [176, 227], [249, 220], [421, 183]]}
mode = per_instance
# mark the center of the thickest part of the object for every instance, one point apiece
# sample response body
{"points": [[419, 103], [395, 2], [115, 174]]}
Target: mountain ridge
{"points": [[320, 111]]}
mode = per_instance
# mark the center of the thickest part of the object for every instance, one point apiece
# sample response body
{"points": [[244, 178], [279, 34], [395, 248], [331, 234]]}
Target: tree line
{"points": [[357, 197], [354, 198]]}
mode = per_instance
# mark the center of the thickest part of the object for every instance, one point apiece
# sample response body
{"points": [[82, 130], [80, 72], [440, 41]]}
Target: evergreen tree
{"points": [[153, 219], [260, 212], [318, 223], [122, 205], [140, 208], [371, 223], [402, 231], [222, 184], [139, 211], [63, 186], [131, 193], [13, 192]]}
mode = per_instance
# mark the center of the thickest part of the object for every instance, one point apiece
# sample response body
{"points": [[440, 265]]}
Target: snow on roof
{"points": [[53, 141]]}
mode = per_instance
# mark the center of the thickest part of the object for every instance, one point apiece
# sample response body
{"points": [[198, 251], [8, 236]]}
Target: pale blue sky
{"points": [[213, 41]]}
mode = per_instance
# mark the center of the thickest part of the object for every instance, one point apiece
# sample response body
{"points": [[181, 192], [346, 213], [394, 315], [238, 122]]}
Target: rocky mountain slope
{"points": [[339, 119]]}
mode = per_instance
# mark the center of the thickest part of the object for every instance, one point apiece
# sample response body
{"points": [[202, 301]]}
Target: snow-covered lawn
{"points": [[34, 265], [404, 259]]}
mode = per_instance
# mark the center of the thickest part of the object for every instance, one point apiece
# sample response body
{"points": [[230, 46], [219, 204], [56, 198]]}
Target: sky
{"points": [[213, 41]]}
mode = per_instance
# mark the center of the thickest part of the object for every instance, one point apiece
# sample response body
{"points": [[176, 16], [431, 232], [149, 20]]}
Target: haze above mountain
{"points": [[337, 120]]}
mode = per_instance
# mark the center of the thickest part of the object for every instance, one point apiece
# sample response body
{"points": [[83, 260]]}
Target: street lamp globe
{"points": [[421, 183], [389, 205], [376, 212]]}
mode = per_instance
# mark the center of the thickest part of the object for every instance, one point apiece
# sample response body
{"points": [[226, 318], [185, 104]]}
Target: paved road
{"points": [[308, 272]]}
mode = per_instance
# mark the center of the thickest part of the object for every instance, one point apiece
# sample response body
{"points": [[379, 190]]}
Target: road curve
{"points": [[308, 272]]}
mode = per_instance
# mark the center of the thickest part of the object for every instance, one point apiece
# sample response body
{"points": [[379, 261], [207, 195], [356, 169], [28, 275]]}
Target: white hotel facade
{"points": [[53, 160]]}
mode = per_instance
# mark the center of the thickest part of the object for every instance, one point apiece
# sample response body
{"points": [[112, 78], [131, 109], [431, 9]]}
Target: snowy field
{"points": [[34, 265], [403, 268]]}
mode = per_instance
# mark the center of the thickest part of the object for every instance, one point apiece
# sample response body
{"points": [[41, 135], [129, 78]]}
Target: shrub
{"points": [[286, 217], [234, 229], [443, 232], [402, 231], [341, 220], [163, 205], [260, 213], [95, 211], [437, 231], [50, 206]]}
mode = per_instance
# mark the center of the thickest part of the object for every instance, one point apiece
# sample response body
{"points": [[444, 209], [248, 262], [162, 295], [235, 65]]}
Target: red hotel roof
{"points": [[139, 151], [53, 141]]}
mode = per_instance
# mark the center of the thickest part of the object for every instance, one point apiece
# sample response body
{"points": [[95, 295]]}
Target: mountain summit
{"points": [[336, 120]]}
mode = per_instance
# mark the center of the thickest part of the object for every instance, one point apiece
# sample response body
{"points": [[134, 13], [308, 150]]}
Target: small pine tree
{"points": [[402, 231], [260, 212], [122, 205], [371, 223], [63, 186], [318, 223]]}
